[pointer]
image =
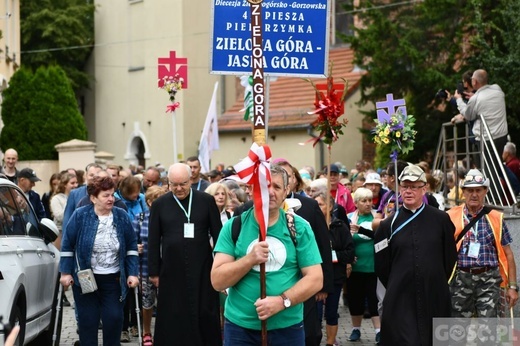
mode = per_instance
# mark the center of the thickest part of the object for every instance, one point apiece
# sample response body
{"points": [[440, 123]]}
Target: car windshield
{"points": [[16, 216]]}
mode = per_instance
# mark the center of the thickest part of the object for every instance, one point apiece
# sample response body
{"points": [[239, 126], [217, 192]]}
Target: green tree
{"points": [[39, 111], [58, 32], [495, 41], [413, 50]]}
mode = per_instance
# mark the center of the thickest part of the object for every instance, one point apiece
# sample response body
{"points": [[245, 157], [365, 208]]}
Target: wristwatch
{"points": [[514, 287], [286, 301]]}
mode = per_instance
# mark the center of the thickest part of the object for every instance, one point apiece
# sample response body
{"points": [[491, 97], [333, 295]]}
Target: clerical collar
{"points": [[412, 210]]}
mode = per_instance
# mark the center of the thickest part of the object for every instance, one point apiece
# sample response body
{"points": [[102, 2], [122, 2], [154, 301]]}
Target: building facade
{"points": [[125, 110], [9, 42]]}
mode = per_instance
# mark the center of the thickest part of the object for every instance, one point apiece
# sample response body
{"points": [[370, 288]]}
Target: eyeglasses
{"points": [[175, 185], [412, 187], [475, 178]]}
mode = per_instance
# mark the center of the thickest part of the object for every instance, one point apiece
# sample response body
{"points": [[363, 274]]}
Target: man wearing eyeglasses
{"points": [[414, 256], [485, 260], [179, 263]]}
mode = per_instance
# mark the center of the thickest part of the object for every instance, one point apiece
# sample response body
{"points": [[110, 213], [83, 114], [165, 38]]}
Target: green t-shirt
{"points": [[282, 269], [364, 246]]}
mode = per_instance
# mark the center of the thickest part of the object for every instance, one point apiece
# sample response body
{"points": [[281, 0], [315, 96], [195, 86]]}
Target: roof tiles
{"points": [[291, 98]]}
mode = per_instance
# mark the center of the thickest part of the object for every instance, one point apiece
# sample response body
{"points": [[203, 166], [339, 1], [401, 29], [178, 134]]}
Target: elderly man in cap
{"points": [[26, 180], [485, 259], [373, 183], [414, 257]]}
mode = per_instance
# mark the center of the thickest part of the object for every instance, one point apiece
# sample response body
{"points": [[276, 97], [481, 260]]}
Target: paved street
{"points": [[69, 335]]}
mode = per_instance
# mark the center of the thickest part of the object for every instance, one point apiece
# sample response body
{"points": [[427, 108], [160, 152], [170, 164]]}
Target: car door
{"points": [[39, 259]]}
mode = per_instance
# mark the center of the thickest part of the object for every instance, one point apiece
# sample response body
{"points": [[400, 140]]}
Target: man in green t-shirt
{"points": [[293, 273]]}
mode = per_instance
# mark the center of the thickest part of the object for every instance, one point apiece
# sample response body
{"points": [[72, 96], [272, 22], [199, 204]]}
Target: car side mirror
{"points": [[49, 230]]}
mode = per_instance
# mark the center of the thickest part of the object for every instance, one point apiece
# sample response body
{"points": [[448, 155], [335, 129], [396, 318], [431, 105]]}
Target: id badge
{"points": [[189, 230], [473, 250], [334, 257], [383, 244]]}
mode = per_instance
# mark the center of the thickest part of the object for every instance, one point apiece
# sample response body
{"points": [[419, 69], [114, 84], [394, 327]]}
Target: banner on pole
{"points": [[295, 37], [209, 140]]}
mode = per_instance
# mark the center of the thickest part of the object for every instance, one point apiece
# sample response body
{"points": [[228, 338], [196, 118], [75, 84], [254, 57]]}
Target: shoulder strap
{"points": [[291, 226], [485, 210], [236, 226]]}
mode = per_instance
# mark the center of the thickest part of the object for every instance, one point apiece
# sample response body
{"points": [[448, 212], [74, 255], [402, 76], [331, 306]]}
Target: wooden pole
{"points": [[174, 132], [259, 119], [329, 207]]}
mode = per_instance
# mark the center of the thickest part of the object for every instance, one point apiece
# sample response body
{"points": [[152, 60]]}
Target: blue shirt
{"points": [[141, 229]]}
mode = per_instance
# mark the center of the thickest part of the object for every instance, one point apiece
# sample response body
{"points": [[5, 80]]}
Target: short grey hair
{"points": [[324, 195], [510, 147], [362, 193], [278, 170]]}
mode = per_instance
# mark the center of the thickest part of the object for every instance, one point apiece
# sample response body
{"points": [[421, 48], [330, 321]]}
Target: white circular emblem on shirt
{"points": [[277, 254]]}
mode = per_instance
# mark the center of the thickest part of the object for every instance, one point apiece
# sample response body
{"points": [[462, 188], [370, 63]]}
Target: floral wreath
{"points": [[172, 85], [397, 132], [329, 107]]}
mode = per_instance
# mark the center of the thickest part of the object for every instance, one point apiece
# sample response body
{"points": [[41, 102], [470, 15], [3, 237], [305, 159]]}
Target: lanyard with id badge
{"points": [[383, 244], [189, 228], [473, 248], [334, 254]]}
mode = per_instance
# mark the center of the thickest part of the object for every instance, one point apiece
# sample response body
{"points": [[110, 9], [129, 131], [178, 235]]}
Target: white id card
{"points": [[334, 257], [383, 244], [474, 248], [189, 230]]}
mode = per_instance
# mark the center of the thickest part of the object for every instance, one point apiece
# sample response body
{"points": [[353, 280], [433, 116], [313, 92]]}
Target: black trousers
{"points": [[311, 323]]}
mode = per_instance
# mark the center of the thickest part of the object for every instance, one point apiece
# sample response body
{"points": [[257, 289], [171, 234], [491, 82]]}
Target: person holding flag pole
{"points": [[292, 262], [271, 247]]}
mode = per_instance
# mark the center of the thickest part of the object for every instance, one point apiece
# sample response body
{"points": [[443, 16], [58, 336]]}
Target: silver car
{"points": [[28, 268]]}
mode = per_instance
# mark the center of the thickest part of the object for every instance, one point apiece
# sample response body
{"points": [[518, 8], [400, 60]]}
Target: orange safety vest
{"points": [[495, 220]]}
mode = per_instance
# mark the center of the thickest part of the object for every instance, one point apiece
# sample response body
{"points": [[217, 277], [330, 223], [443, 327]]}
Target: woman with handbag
{"points": [[99, 259]]}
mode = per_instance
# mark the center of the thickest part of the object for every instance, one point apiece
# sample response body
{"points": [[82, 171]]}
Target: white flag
{"points": [[209, 137]]}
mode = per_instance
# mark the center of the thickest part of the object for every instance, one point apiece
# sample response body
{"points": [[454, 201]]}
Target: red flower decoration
{"points": [[329, 105]]}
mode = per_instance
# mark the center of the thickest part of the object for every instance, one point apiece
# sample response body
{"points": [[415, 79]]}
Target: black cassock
{"points": [[415, 268], [187, 305]]}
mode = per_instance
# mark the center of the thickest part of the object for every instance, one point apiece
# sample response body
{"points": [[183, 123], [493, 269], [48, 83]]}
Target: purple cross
{"points": [[393, 107]]}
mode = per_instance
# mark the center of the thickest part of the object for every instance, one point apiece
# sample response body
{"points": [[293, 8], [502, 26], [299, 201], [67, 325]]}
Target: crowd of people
{"points": [[189, 242]]}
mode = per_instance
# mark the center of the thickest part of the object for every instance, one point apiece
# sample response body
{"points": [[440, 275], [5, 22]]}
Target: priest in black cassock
{"points": [[180, 260], [414, 256]]}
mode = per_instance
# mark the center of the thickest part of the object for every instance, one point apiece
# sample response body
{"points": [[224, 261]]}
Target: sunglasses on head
{"points": [[475, 178], [410, 174]]}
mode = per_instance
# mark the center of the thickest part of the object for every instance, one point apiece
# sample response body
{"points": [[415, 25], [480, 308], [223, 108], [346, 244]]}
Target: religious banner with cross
{"points": [[173, 76], [171, 66], [394, 128]]}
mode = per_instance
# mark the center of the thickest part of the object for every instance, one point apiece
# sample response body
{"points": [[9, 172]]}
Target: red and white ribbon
{"points": [[171, 108], [255, 170]]}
